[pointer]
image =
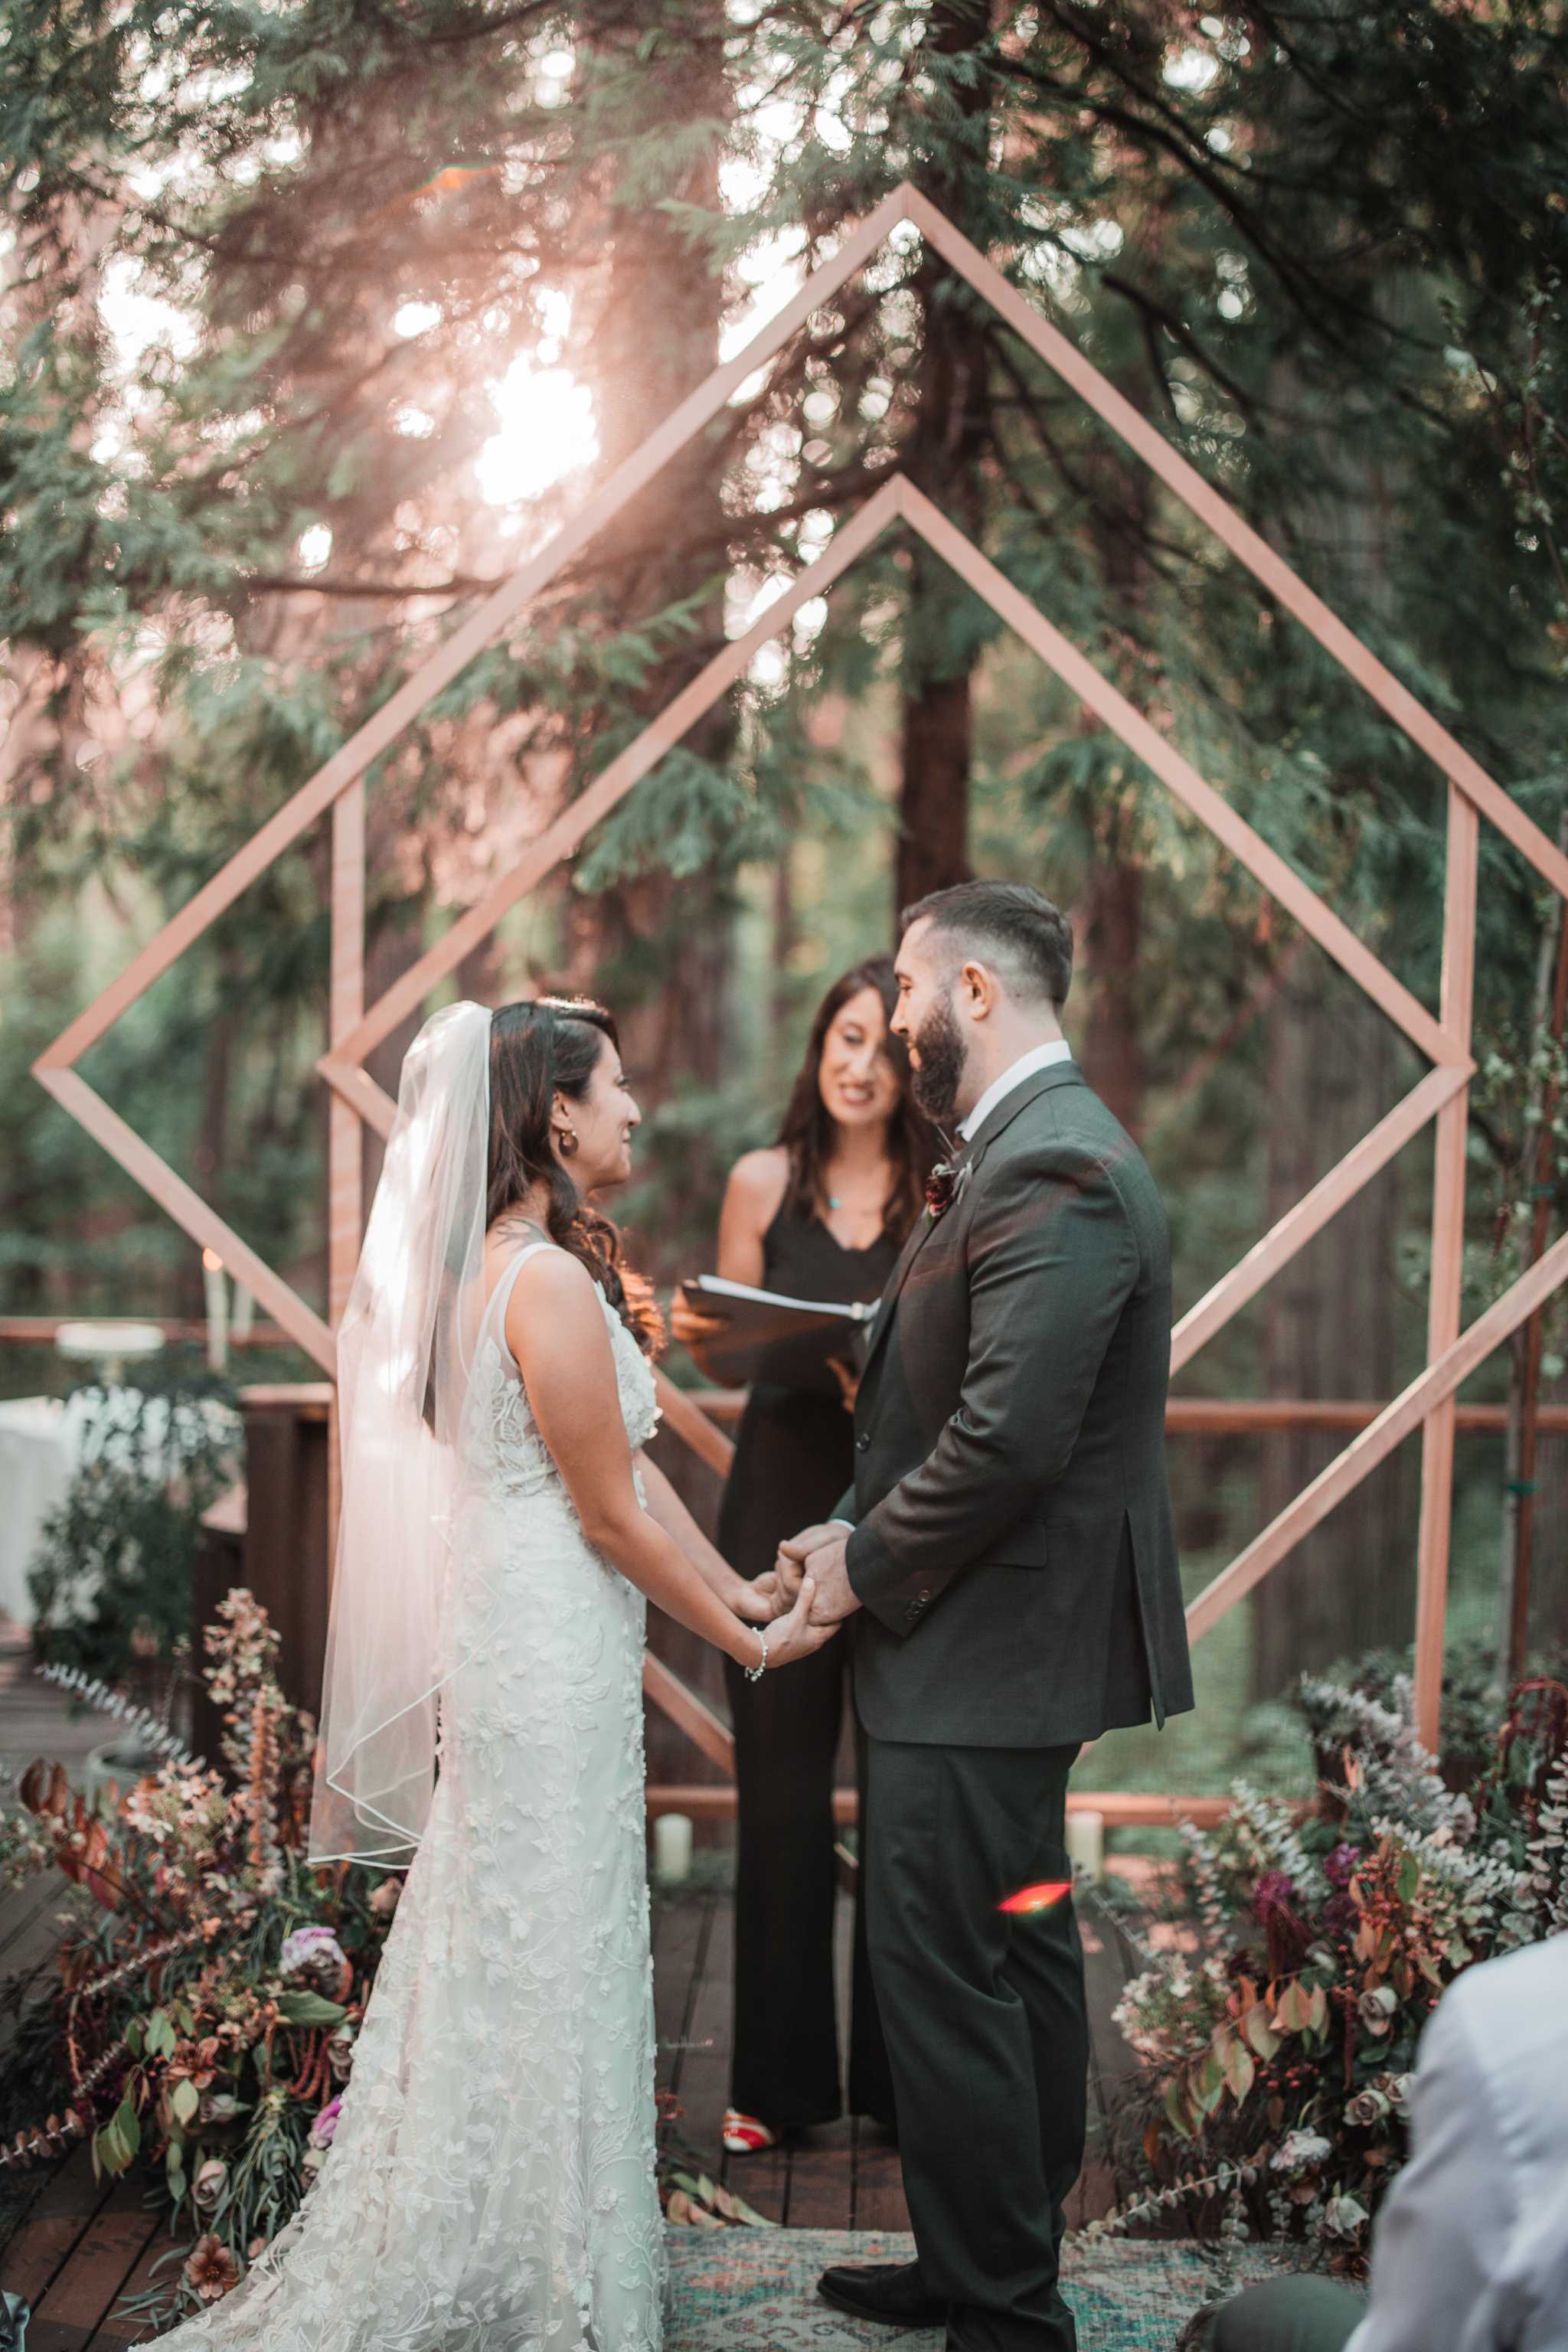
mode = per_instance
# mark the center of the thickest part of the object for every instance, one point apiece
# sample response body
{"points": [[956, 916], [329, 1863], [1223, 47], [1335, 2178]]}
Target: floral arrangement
{"points": [[202, 2008], [204, 2005], [1278, 2034]]}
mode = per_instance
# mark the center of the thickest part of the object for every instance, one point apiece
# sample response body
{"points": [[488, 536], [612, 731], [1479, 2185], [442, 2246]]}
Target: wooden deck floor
{"points": [[844, 2176], [79, 2246], [74, 2247]]}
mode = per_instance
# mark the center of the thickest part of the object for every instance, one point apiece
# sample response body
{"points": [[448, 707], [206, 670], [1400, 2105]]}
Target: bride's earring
{"points": [[566, 1139]]}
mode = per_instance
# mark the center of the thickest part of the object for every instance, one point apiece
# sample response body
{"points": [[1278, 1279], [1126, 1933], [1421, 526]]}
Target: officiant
{"points": [[820, 1214]]}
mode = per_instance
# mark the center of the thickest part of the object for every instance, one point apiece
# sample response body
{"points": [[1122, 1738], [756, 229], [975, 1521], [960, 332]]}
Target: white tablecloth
{"points": [[38, 1443], [41, 1442]]}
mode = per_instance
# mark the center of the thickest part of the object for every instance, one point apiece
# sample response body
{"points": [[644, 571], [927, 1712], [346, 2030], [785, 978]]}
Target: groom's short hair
{"points": [[1009, 924]]}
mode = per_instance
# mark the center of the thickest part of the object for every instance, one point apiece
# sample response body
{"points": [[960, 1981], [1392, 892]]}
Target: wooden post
{"points": [[287, 1452], [1524, 1402], [345, 1133], [1447, 1268]]}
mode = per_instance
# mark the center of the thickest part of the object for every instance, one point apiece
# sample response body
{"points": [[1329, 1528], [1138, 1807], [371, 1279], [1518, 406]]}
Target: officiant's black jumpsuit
{"points": [[794, 1454]]}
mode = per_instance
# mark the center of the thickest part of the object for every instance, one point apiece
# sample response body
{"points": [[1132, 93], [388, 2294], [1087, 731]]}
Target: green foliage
{"points": [[110, 1582], [1278, 2057], [223, 1980], [1471, 1693]]}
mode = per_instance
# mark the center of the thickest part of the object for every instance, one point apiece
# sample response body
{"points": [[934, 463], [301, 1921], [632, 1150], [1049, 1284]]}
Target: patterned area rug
{"points": [[757, 2288]]}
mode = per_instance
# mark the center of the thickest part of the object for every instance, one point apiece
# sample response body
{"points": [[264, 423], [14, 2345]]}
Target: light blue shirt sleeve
{"points": [[1439, 2270]]}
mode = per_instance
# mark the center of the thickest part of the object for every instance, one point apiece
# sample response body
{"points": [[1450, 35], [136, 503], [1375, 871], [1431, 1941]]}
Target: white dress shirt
{"points": [[1470, 2251], [1038, 1057]]}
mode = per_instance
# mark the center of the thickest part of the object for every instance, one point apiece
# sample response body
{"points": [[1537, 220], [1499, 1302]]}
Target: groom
{"points": [[1008, 1551]]}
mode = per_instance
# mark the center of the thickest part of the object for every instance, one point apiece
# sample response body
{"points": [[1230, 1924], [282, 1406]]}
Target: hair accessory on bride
{"points": [[406, 1347]]}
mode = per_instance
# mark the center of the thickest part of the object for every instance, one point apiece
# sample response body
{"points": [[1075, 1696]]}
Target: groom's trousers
{"points": [[987, 2026]]}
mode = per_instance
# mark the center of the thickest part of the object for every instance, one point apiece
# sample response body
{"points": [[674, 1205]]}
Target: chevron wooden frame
{"points": [[1444, 1038]]}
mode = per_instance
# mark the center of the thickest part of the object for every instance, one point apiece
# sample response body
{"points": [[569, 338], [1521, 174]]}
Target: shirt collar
{"points": [[1038, 1057]]}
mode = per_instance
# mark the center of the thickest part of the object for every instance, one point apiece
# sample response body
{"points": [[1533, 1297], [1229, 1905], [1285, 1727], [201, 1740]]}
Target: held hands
{"points": [[810, 1567], [773, 1595], [757, 1599], [797, 1632], [815, 1557]]}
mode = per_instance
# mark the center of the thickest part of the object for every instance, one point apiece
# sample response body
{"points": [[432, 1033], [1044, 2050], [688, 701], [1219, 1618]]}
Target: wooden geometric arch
{"points": [[1444, 1040]]}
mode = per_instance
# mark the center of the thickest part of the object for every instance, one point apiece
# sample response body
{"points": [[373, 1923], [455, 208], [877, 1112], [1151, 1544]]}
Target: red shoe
{"points": [[745, 2136]]}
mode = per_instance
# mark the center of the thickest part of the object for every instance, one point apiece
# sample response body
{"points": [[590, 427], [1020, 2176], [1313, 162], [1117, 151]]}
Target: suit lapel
{"points": [[1058, 1074], [925, 1226]]}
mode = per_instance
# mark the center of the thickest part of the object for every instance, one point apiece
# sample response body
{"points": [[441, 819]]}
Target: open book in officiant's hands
{"points": [[760, 1334]]}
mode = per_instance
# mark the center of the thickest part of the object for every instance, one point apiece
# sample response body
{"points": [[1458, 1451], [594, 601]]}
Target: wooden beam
{"points": [[1184, 1416], [38, 1330], [1313, 1211], [691, 1715], [1265, 562], [345, 1131], [341, 1067], [381, 730], [1446, 1285], [1258, 1416], [1393, 1426], [187, 1208], [1281, 881], [684, 1414], [715, 1802]]}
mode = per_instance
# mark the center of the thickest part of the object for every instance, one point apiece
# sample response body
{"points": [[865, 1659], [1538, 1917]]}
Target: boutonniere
{"points": [[943, 1186]]}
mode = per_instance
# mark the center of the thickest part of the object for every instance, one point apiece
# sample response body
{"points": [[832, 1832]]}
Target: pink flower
{"points": [[211, 2268], [308, 1943], [326, 2123]]}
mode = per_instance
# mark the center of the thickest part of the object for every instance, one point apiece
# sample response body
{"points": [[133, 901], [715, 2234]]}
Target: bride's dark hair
{"points": [[539, 1047]]}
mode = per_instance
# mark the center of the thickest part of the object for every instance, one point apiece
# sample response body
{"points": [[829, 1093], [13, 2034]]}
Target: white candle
{"points": [[1085, 1844], [672, 1847], [217, 1311], [243, 1314]]}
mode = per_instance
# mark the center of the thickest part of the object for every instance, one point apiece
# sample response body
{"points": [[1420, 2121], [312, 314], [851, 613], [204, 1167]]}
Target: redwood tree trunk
{"points": [[662, 947], [943, 458], [1113, 1051], [936, 747]]}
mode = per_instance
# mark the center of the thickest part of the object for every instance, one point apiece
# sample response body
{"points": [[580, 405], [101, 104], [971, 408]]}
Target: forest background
{"points": [[319, 317]]}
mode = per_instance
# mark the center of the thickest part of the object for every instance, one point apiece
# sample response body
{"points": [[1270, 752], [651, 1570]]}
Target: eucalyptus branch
{"points": [[107, 1700]]}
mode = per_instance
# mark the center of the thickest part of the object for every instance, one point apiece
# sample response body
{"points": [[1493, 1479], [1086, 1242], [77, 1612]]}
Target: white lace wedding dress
{"points": [[491, 2186]]}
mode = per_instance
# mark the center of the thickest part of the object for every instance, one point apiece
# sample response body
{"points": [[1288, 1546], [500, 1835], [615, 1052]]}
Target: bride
{"points": [[491, 2185]]}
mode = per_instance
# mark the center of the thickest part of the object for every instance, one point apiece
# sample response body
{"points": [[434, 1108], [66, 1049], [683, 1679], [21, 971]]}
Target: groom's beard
{"points": [[938, 1041]]}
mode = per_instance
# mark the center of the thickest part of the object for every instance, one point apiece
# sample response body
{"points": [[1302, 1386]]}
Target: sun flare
{"points": [[547, 431]]}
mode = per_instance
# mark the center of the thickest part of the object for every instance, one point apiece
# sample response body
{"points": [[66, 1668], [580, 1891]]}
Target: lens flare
{"points": [[1043, 1897]]}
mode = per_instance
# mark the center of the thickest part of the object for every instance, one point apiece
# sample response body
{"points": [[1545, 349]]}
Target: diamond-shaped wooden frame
{"points": [[1445, 1040]]}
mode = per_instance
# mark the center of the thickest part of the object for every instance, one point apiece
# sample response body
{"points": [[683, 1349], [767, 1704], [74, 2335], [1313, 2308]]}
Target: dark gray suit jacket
{"points": [[1014, 1545]]}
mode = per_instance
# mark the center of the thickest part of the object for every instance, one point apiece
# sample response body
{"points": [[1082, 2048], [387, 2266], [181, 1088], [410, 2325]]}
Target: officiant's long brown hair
{"points": [[808, 1126]]}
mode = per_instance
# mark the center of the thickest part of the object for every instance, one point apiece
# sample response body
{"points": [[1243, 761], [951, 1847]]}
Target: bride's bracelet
{"points": [[754, 1673]]}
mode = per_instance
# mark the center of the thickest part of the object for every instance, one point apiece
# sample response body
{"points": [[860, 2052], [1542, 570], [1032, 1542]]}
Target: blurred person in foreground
{"points": [[1470, 2251]]}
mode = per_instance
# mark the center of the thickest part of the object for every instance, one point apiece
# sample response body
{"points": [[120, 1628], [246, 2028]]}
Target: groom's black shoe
{"points": [[893, 2293]]}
